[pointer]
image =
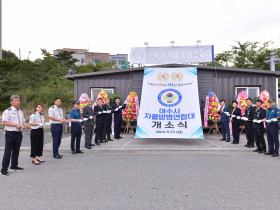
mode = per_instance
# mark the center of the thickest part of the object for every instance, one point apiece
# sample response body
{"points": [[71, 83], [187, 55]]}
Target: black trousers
{"points": [[235, 132], [88, 135], [272, 137], [76, 133], [12, 147], [99, 132], [37, 142], [107, 129], [117, 127], [259, 138], [249, 134]]}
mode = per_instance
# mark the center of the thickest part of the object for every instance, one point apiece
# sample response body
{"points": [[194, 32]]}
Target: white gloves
{"points": [[244, 118], [41, 124], [47, 123], [259, 121], [274, 119], [125, 102], [91, 117], [116, 109], [108, 111], [80, 120], [255, 121], [100, 112], [85, 119], [233, 116], [104, 111], [268, 121], [238, 117], [120, 107]]}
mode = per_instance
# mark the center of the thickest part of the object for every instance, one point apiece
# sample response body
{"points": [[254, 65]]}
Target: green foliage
{"points": [[248, 55], [38, 81], [113, 98], [94, 68], [8, 54]]}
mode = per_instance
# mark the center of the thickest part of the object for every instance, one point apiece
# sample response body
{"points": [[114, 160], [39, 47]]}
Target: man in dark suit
{"points": [[117, 110], [99, 112], [258, 119], [107, 120], [248, 118], [225, 113], [89, 123], [235, 119]]}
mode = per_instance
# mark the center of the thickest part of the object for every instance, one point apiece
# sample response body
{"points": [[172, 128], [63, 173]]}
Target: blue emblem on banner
{"points": [[169, 97]]}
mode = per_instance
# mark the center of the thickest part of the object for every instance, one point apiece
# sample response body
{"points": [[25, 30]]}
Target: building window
{"points": [[113, 61], [121, 62], [253, 92], [95, 92], [97, 61], [82, 60]]}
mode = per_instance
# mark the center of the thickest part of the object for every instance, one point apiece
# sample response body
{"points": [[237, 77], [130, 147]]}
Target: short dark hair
{"points": [[57, 98], [99, 99], [234, 102], [249, 99], [259, 100], [118, 98], [223, 100]]}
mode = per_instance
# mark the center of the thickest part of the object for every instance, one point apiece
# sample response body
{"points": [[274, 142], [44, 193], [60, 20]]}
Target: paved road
{"points": [[145, 180], [146, 174], [26, 137]]}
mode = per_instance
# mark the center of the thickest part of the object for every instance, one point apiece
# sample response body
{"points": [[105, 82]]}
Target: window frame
{"points": [[247, 89], [100, 89]]}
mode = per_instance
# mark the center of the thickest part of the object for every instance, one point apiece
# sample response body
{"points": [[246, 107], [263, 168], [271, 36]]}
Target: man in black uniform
{"points": [[248, 118], [117, 109], [89, 123], [98, 111], [258, 119], [107, 120]]}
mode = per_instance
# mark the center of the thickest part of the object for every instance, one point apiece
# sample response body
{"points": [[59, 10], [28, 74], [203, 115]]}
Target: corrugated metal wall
{"points": [[224, 85]]}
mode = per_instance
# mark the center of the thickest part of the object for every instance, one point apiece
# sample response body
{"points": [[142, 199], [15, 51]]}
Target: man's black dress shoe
{"points": [[92, 145], [120, 137], [227, 140], [79, 151], [73, 152], [110, 139], [268, 153], [97, 143], [88, 147], [58, 156], [222, 139], [256, 150], [275, 155], [250, 146]]}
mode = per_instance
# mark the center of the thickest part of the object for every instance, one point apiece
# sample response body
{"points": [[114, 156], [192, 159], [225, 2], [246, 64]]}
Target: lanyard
{"points": [[18, 118]]}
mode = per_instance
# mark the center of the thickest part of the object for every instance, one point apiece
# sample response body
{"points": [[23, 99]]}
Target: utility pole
{"points": [[0, 29], [273, 60]]}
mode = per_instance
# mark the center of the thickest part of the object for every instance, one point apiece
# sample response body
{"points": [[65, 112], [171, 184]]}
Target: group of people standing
{"points": [[14, 121], [255, 119]]}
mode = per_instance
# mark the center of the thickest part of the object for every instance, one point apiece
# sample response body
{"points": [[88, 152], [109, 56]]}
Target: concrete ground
{"points": [[146, 174]]}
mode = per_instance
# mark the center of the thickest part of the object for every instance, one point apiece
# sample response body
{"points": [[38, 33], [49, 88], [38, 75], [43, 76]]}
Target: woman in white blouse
{"points": [[36, 122]]}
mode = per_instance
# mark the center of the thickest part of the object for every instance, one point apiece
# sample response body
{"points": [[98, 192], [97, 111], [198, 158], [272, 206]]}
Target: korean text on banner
{"points": [[169, 104]]}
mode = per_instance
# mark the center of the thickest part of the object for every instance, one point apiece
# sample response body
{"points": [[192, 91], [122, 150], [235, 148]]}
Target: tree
{"points": [[8, 54], [248, 55]]}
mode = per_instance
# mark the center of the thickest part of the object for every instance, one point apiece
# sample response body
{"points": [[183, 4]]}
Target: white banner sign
{"points": [[169, 104], [171, 55]]}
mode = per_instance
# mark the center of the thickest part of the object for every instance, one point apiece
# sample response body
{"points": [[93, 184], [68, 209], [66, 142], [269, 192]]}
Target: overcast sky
{"points": [[116, 26]]}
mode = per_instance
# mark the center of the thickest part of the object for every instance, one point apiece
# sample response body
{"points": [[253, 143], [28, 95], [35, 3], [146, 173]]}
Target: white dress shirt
{"points": [[13, 115], [37, 117], [55, 112]]}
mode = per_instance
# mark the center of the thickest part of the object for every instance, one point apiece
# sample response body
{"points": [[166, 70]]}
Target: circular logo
{"points": [[169, 97]]}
